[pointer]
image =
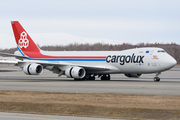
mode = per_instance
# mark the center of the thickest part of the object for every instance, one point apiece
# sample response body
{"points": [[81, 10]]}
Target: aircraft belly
{"points": [[138, 68]]}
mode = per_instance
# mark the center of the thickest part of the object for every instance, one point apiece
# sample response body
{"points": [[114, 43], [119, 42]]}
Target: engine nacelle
{"points": [[133, 75], [33, 69], [75, 72]]}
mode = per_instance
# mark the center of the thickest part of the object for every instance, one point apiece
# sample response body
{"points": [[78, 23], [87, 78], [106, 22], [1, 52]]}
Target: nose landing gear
{"points": [[157, 79]]}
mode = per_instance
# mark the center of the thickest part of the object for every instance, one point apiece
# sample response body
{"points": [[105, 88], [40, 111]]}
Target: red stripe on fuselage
{"points": [[39, 55]]}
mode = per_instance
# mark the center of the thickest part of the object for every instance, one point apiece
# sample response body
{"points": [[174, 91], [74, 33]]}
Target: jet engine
{"points": [[75, 72], [33, 69], [133, 75]]}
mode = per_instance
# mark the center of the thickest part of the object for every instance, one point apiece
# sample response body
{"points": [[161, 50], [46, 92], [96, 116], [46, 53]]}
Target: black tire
{"points": [[76, 79], [156, 79], [103, 78], [93, 78], [106, 77]]}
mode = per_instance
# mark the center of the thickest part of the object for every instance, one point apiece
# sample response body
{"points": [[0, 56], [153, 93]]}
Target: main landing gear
{"points": [[92, 77], [105, 77], [87, 77], [157, 79]]}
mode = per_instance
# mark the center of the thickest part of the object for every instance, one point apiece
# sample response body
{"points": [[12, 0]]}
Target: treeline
{"points": [[173, 48]]}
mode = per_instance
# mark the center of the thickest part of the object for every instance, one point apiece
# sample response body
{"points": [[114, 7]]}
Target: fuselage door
{"points": [[152, 51]]}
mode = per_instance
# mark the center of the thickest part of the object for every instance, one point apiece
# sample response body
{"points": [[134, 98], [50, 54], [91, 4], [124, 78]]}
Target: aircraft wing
{"points": [[64, 64], [45, 64], [50, 63]]}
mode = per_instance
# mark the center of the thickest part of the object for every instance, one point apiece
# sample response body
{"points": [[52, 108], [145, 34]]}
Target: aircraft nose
{"points": [[172, 62], [167, 62]]}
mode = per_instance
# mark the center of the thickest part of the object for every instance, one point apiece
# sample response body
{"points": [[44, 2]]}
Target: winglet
{"points": [[23, 40]]}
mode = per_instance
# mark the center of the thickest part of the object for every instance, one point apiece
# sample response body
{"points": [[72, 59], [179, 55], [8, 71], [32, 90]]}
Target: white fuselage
{"points": [[138, 60]]}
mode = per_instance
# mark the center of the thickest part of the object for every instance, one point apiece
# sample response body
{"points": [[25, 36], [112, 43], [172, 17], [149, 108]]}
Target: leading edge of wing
{"points": [[62, 64]]}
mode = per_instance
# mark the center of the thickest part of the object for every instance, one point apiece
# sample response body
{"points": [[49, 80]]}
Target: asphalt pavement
{"points": [[119, 84]]}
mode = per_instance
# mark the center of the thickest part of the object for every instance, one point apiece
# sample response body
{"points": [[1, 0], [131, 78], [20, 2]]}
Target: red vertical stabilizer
{"points": [[23, 40]]}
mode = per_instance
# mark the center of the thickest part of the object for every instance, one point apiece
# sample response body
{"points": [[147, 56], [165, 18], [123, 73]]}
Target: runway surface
{"points": [[119, 84], [19, 116]]}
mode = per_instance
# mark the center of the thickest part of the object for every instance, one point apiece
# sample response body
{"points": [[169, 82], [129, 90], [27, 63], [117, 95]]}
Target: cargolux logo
{"points": [[23, 41], [124, 59]]}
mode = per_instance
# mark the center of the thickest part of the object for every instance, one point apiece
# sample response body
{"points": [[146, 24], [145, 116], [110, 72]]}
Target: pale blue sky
{"points": [[132, 21]]}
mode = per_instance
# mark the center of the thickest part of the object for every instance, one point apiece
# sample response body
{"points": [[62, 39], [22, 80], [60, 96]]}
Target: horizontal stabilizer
{"points": [[13, 55]]}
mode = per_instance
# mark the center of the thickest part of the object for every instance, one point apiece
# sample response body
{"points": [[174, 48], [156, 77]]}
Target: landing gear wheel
{"points": [[77, 79], [93, 78], [156, 79], [103, 78], [84, 78], [106, 77], [90, 77]]}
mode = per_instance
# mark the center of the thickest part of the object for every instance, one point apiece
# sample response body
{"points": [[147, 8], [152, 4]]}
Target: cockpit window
{"points": [[162, 51]]}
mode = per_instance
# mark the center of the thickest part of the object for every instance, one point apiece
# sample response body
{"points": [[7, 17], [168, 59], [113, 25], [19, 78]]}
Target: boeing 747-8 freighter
{"points": [[86, 65]]}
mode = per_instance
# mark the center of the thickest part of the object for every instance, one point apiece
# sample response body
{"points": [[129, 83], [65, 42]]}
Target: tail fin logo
{"points": [[23, 41]]}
